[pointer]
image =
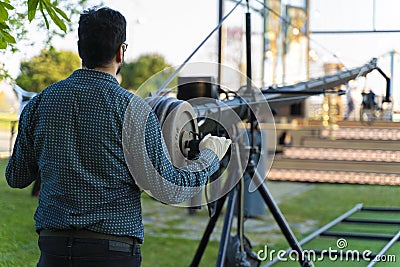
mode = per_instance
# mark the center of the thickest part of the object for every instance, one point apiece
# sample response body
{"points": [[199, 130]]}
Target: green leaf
{"points": [[3, 26], [7, 37], [6, 5], [53, 15], [59, 22], [32, 7], [44, 15], [3, 13], [59, 11], [3, 44]]}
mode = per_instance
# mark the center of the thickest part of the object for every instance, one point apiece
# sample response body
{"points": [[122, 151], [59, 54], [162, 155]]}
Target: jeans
{"points": [[86, 252]]}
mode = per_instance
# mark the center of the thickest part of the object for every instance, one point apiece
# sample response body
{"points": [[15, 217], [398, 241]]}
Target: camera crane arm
{"points": [[280, 96], [323, 84]]}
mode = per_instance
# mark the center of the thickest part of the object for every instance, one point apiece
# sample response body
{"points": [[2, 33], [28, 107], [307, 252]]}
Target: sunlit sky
{"points": [[175, 28]]}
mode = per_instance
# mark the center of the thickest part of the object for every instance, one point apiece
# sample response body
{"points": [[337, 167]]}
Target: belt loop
{"points": [[136, 249]]}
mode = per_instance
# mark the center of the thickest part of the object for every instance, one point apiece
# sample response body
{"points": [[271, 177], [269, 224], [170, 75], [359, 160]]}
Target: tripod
{"points": [[236, 203], [236, 195]]}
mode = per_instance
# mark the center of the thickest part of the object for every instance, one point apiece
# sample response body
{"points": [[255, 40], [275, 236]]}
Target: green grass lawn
{"points": [[321, 204], [327, 201]]}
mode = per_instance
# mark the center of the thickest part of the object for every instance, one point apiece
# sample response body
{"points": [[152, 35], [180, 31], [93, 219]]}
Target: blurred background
{"points": [[333, 150]]}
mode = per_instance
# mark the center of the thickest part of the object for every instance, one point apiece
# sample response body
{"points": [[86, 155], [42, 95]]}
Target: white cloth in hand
{"points": [[217, 144]]}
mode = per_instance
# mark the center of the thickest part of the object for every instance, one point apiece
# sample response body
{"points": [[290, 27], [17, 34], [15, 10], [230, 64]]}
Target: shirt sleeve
{"points": [[22, 168], [151, 166]]}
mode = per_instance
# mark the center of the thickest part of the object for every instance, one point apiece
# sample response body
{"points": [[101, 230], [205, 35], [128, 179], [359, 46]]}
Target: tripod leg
{"points": [[207, 233], [280, 219], [226, 229]]}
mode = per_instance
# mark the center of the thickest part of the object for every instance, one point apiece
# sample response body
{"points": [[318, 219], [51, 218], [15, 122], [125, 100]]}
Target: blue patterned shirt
{"points": [[70, 136]]}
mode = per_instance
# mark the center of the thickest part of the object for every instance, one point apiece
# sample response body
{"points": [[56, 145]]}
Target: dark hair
{"points": [[101, 32]]}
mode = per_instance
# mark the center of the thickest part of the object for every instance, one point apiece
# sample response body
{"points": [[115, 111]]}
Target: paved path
{"points": [[162, 220]]}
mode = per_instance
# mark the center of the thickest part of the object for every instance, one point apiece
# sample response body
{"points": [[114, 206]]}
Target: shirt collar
{"points": [[90, 73]]}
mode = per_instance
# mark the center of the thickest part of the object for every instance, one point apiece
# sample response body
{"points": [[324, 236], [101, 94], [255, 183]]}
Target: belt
{"points": [[89, 234]]}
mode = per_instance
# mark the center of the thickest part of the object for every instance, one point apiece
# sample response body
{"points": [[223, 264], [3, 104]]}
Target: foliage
{"points": [[5, 36], [4, 75], [47, 68], [14, 16], [52, 10], [136, 73]]}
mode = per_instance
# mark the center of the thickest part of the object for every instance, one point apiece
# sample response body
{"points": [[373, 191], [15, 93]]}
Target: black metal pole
{"points": [[251, 166], [223, 245], [249, 90], [248, 50], [207, 233], [220, 51], [389, 82]]}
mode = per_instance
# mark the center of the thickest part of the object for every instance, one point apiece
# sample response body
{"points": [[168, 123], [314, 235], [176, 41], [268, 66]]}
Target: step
{"points": [[364, 133], [311, 141], [342, 154], [333, 176], [337, 165]]}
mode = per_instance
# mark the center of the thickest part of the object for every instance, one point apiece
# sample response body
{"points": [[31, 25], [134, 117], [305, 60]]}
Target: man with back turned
{"points": [[70, 136]]}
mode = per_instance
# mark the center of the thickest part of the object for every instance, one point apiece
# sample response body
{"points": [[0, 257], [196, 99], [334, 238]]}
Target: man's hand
{"points": [[217, 144]]}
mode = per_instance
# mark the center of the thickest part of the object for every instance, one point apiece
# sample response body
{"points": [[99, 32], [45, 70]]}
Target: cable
{"points": [[172, 76]]}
